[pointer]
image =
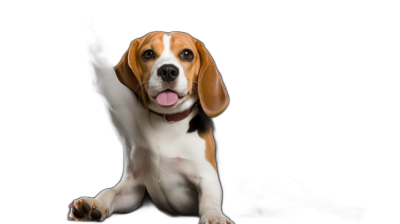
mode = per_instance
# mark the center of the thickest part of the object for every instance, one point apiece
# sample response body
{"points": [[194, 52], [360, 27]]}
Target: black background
{"points": [[304, 104]]}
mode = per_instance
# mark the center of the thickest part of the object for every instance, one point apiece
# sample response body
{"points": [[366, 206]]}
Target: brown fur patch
{"points": [[210, 147], [152, 41]]}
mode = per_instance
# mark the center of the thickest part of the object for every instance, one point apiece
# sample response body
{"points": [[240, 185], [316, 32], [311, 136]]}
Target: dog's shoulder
{"points": [[201, 122]]}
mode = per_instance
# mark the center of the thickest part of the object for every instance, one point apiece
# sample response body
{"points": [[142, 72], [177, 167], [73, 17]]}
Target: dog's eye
{"points": [[187, 55], [149, 54]]}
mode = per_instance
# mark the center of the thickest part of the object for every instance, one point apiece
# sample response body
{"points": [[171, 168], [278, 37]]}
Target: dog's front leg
{"points": [[128, 194], [125, 197], [210, 199], [122, 105]]}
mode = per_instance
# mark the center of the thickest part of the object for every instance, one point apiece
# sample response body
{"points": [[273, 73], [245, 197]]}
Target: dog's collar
{"points": [[171, 118]]}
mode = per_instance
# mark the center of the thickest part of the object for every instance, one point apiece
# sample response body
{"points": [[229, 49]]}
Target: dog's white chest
{"points": [[168, 164]]}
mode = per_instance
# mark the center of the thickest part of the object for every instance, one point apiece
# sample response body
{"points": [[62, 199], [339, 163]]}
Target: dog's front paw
{"points": [[87, 209], [98, 56], [215, 219]]}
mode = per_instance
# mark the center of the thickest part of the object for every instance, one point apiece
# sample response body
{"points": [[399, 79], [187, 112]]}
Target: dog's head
{"points": [[169, 71]]}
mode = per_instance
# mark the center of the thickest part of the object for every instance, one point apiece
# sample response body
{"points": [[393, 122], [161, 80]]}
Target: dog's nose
{"points": [[168, 72]]}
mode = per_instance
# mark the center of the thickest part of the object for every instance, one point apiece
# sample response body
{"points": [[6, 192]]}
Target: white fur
{"points": [[161, 157]]}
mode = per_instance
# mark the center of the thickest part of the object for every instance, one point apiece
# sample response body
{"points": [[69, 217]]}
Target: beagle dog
{"points": [[161, 97]]}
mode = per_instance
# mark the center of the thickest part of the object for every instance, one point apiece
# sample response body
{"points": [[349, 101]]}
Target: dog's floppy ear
{"points": [[128, 73], [212, 92]]}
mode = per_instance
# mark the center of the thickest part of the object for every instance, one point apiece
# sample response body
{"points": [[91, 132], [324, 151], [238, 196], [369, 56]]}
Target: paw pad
{"points": [[96, 214], [87, 209], [77, 213]]}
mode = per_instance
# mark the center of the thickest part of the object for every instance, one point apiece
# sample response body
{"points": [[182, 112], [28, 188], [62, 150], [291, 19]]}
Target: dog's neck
{"points": [[174, 117]]}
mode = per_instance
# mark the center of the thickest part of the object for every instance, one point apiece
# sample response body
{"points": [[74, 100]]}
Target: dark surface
{"points": [[306, 135]]}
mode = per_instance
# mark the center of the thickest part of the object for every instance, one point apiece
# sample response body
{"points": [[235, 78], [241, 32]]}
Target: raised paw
{"points": [[215, 219], [87, 209], [98, 54]]}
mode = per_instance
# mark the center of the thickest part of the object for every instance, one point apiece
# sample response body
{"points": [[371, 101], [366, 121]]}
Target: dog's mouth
{"points": [[167, 98]]}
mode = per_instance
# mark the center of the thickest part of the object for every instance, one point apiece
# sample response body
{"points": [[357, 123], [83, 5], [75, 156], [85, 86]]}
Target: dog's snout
{"points": [[168, 72]]}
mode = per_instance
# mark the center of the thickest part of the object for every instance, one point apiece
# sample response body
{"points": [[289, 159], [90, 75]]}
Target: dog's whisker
{"points": [[137, 86], [140, 93], [140, 85], [142, 90], [195, 86]]}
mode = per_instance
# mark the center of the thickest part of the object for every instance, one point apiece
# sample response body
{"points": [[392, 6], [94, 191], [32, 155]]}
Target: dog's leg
{"points": [[127, 195], [123, 198], [121, 103], [210, 199]]}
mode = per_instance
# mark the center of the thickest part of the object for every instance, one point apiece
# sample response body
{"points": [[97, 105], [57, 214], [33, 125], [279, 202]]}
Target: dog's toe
{"points": [[96, 214], [86, 208], [77, 213]]}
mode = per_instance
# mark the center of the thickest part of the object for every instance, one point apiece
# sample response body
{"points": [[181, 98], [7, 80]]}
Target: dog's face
{"points": [[169, 66], [167, 69]]}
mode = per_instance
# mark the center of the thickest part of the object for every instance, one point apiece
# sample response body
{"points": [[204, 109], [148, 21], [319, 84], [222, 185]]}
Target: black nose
{"points": [[168, 72]]}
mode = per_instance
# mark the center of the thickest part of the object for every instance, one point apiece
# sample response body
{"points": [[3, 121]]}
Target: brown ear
{"points": [[212, 92], [128, 74]]}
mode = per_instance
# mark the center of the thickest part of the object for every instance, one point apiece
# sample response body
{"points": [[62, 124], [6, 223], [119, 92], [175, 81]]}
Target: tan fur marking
{"points": [[210, 147], [180, 42], [152, 41]]}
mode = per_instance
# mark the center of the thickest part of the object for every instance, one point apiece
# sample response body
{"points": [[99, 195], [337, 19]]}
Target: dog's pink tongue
{"points": [[167, 98]]}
